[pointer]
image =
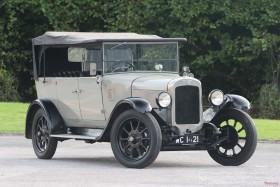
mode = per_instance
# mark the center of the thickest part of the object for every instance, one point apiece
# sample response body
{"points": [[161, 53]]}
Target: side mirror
{"points": [[92, 69]]}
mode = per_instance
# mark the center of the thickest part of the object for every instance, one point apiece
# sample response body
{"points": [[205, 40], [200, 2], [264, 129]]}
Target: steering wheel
{"points": [[123, 68]]}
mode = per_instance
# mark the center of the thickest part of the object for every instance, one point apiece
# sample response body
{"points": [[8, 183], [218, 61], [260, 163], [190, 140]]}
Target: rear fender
{"points": [[53, 116]]}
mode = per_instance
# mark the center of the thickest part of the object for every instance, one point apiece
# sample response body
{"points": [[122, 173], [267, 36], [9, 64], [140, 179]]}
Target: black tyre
{"points": [[135, 139], [242, 141], [44, 146]]}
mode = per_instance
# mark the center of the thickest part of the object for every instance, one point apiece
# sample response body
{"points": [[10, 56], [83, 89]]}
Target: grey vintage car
{"points": [[127, 89]]}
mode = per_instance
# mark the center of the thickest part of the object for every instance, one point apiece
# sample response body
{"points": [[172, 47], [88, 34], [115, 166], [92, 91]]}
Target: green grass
{"points": [[268, 129], [12, 119]]}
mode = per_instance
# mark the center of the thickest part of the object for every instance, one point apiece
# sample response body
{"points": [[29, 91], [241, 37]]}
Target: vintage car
{"points": [[127, 89]]}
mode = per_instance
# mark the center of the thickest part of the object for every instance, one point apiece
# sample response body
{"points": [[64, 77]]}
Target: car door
{"points": [[68, 99], [91, 101]]}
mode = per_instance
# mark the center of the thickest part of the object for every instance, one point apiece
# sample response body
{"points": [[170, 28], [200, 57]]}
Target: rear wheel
{"points": [[44, 146], [135, 139], [242, 138]]}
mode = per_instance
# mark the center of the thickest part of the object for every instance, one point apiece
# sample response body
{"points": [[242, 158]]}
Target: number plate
{"points": [[188, 139], [193, 139]]}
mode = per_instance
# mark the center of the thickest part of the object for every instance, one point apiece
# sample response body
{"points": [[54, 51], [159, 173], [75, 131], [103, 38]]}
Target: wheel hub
{"points": [[232, 135], [130, 138], [44, 131], [134, 138]]}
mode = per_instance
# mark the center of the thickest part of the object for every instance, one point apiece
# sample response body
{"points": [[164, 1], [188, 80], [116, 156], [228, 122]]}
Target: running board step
{"points": [[74, 136]]}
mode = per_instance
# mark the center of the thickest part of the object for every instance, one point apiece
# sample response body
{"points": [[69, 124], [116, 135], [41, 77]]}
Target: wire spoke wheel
{"points": [[135, 139], [241, 135]]}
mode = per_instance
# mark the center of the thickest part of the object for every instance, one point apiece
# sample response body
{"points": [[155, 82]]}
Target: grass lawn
{"points": [[268, 129], [12, 119]]}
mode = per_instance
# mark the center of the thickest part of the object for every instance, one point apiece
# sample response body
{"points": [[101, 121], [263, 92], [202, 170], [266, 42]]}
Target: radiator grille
{"points": [[187, 105]]}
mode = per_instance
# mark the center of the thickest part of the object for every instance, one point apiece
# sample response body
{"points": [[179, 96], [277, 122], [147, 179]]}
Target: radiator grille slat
{"points": [[187, 105]]}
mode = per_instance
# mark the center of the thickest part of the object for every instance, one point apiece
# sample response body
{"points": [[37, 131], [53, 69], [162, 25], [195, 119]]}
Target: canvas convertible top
{"points": [[58, 38]]}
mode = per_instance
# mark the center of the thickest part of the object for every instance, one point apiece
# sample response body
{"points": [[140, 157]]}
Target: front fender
{"points": [[236, 101], [139, 104], [239, 102]]}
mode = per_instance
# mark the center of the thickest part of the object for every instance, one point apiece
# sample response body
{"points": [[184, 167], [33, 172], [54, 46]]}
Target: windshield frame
{"points": [[131, 42]]}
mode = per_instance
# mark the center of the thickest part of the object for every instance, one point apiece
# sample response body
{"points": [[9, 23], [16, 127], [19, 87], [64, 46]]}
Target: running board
{"points": [[74, 136]]}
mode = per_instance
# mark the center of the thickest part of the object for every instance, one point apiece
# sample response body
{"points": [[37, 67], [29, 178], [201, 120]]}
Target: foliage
{"points": [[20, 21], [232, 45], [269, 102], [8, 86], [228, 41], [71, 15]]}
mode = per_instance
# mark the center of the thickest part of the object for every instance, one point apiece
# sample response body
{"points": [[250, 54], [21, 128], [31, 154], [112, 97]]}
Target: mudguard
{"points": [[53, 116], [139, 104], [237, 101]]}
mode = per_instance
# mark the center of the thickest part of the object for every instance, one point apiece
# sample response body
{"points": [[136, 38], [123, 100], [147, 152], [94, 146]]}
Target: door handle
{"points": [[76, 91], [98, 79]]}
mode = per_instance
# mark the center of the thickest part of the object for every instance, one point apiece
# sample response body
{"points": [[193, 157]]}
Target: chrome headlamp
{"points": [[216, 97], [163, 99]]}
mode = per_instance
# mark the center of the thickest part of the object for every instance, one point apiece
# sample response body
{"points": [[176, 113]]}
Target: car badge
{"points": [[188, 82]]}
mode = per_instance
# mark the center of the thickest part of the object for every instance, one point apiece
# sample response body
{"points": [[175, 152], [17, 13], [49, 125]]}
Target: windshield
{"points": [[125, 57]]}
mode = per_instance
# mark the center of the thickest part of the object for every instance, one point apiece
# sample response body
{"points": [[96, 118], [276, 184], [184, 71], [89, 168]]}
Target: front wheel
{"points": [[135, 139], [44, 146], [242, 138]]}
